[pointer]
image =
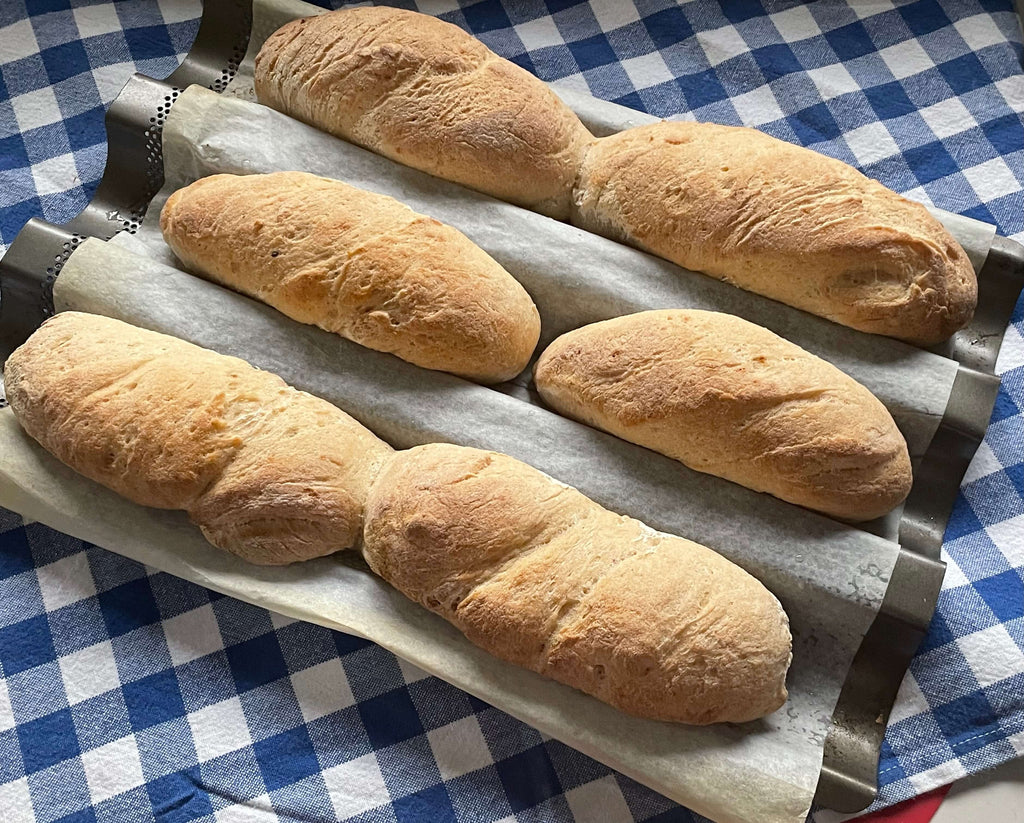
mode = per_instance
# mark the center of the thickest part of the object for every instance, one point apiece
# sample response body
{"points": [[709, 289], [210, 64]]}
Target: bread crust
{"points": [[359, 264], [267, 472], [782, 221], [730, 398], [539, 575], [427, 94]]}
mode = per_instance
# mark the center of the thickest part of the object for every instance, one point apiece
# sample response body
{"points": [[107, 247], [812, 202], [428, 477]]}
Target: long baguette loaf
{"points": [[782, 221], [730, 398], [270, 473], [359, 264], [539, 575], [424, 93]]}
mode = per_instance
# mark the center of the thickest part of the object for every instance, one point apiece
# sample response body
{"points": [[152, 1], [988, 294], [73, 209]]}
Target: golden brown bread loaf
{"points": [[730, 398], [424, 93], [359, 264], [539, 575], [270, 473], [782, 221]]}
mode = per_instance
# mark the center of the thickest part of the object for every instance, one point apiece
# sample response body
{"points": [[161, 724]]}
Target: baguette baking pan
{"points": [[848, 781]]}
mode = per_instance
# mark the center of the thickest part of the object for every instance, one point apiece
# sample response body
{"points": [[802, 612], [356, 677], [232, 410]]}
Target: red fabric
{"points": [[916, 810]]}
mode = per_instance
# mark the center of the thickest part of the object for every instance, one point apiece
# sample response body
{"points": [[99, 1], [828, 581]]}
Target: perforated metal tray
{"points": [[849, 779]]}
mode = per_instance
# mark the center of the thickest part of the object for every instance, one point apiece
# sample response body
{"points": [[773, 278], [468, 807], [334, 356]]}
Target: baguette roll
{"points": [[359, 264], [782, 221], [267, 472], [426, 94], [730, 398], [541, 576]]}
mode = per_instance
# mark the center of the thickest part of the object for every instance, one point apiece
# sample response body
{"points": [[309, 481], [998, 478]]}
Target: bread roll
{"points": [[732, 399], [359, 264], [782, 221], [541, 576], [424, 93], [267, 472]]}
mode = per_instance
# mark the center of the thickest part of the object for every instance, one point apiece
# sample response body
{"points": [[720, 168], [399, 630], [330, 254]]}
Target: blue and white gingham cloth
{"points": [[129, 695]]}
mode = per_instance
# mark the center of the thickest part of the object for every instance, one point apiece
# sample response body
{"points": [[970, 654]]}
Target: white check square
{"points": [[599, 800], [539, 33], [871, 143], [906, 58], [98, 19], [17, 41], [259, 809], [65, 581], [647, 70], [992, 655], [795, 24], [757, 107], [192, 634], [722, 44], [36, 108], [948, 117], [6, 713], [16, 802], [992, 179], [113, 769], [1012, 89], [322, 690], [89, 672], [459, 748], [356, 786], [58, 174], [219, 729], [832, 81], [177, 11], [614, 14], [979, 31]]}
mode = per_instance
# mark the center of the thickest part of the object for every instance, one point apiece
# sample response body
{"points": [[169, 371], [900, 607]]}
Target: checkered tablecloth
{"points": [[129, 695]]}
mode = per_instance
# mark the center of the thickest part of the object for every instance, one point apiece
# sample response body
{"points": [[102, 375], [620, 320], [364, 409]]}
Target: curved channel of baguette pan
{"points": [[530, 569], [727, 397], [267, 472], [359, 264], [782, 221], [425, 93], [536, 573]]}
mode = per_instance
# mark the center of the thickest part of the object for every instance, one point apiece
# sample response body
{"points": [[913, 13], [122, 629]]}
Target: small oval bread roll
{"points": [[427, 94], [539, 575], [782, 221], [270, 473], [732, 399], [359, 264]]}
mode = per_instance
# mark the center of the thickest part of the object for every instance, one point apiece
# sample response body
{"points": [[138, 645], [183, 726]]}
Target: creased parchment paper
{"points": [[830, 578], [573, 276]]}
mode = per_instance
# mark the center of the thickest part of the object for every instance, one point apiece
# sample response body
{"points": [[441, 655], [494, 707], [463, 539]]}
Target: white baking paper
{"points": [[573, 276], [830, 577]]}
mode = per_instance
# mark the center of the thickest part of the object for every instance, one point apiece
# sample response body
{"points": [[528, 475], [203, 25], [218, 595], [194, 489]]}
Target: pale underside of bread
{"points": [[267, 472], [730, 398], [427, 94], [359, 264], [539, 575], [782, 221]]}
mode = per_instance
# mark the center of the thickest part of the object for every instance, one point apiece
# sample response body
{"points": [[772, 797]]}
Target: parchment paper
{"points": [[573, 276], [829, 577]]}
